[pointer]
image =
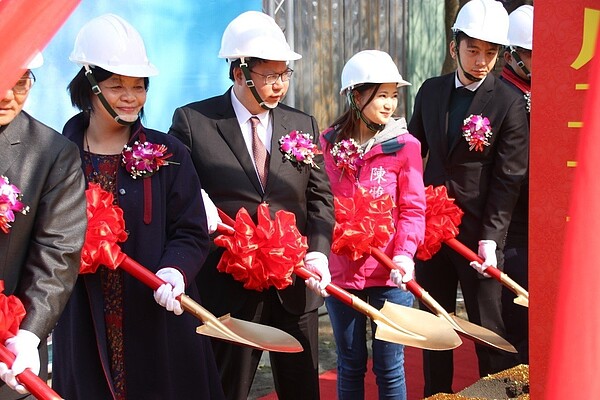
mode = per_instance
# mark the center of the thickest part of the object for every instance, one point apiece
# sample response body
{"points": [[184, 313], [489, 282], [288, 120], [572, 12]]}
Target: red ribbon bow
{"points": [[264, 254], [12, 313], [106, 227], [442, 218], [362, 222]]}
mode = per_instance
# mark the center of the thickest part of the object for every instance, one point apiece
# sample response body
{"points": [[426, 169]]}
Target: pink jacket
{"points": [[392, 164]]}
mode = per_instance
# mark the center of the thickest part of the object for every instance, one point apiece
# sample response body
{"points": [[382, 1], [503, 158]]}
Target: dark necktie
{"points": [[259, 151]]}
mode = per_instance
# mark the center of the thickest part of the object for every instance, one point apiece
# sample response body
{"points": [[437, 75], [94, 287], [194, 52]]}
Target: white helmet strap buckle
{"points": [[519, 60], [250, 84]]}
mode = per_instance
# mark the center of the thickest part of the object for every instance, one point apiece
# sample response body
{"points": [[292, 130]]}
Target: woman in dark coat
{"points": [[114, 341]]}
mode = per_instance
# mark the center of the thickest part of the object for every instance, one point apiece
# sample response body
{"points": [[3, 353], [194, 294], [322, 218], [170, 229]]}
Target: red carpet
{"points": [[465, 374]]}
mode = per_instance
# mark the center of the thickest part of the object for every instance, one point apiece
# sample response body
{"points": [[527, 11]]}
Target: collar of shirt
{"points": [[471, 86], [265, 129]]}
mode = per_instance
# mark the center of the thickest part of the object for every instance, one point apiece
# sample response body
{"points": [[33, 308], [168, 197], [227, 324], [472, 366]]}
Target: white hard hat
{"points": [[370, 66], [255, 34], [520, 28], [111, 43], [485, 20], [36, 61]]}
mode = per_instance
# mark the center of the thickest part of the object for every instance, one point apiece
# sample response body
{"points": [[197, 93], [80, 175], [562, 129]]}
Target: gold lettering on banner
{"points": [[591, 22]]}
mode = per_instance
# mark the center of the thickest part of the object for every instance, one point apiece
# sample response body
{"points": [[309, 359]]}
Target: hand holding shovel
{"points": [[12, 313], [364, 224], [395, 323], [447, 216], [106, 227]]}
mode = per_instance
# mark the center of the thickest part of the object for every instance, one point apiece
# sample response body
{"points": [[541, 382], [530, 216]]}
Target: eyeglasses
{"points": [[24, 84], [270, 79]]}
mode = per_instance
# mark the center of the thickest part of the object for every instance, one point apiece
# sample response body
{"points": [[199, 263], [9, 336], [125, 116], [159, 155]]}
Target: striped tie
{"points": [[259, 151]]}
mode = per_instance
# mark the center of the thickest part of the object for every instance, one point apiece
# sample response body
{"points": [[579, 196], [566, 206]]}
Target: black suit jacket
{"points": [[485, 184], [211, 131], [40, 256]]}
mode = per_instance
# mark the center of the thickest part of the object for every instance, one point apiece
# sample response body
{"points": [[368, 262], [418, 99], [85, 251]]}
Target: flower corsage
{"points": [[347, 155], [145, 159], [299, 148], [477, 130], [10, 202]]}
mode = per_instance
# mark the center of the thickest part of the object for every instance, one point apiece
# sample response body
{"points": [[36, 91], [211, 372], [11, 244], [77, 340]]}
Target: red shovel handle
{"points": [[472, 256], [141, 273], [31, 381], [385, 260], [332, 289]]}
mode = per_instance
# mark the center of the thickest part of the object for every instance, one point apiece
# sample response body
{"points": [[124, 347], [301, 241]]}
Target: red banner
{"points": [[27, 26], [573, 368], [564, 46]]}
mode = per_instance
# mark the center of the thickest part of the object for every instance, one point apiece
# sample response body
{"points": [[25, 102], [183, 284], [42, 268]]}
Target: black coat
{"points": [[485, 184], [164, 357]]}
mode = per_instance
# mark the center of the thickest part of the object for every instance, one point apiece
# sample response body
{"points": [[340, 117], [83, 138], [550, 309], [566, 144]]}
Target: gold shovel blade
{"points": [[522, 301], [482, 335], [432, 333], [251, 334]]}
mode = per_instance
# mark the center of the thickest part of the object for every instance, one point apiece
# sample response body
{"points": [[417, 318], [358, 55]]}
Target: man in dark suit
{"points": [[40, 253], [221, 135], [482, 168]]}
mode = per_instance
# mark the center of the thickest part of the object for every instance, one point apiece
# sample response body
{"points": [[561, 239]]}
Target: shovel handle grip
{"points": [[387, 262], [31, 381], [491, 270], [141, 273], [332, 289], [470, 255]]}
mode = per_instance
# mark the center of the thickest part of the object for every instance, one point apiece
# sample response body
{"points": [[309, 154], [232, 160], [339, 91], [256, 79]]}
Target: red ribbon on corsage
{"points": [[362, 222], [442, 218], [263, 254]]}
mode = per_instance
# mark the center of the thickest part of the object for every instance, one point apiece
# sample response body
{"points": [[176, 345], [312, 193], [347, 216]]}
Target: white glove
{"points": [[487, 251], [212, 215], [25, 348], [317, 263], [166, 295], [406, 272]]}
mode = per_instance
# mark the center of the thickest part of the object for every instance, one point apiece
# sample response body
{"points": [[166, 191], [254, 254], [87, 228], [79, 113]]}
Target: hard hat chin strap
{"points": [[519, 60], [250, 84], [467, 75], [98, 92], [354, 107]]}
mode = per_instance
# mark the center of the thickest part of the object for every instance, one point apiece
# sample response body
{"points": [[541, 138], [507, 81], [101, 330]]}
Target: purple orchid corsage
{"points": [[476, 131], [347, 155], [298, 148], [145, 159], [10, 202]]}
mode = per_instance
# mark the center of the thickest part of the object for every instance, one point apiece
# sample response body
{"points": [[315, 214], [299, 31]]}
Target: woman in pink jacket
{"points": [[390, 162]]}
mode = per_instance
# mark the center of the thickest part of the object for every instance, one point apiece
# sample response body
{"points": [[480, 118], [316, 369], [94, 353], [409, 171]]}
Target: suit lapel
{"points": [[10, 144], [281, 127], [229, 129]]}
